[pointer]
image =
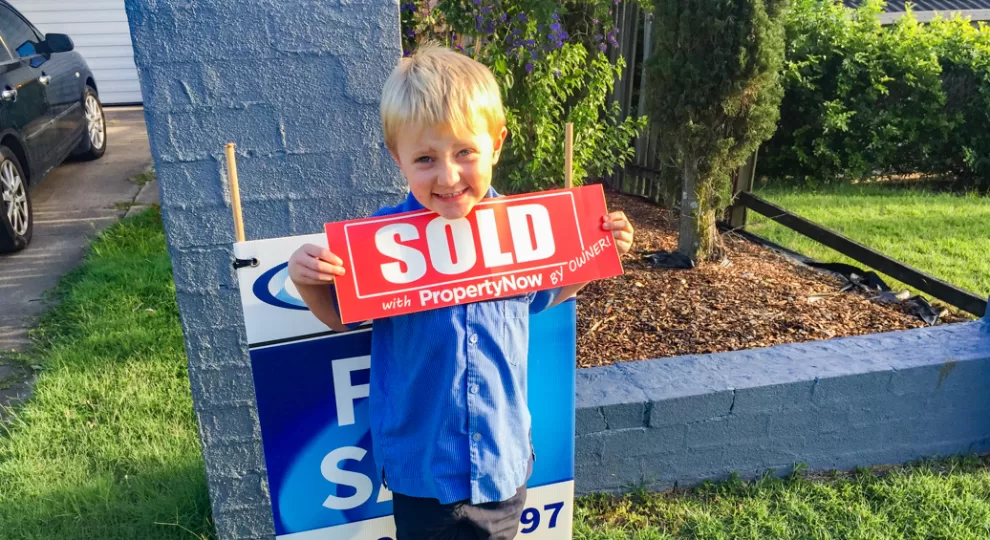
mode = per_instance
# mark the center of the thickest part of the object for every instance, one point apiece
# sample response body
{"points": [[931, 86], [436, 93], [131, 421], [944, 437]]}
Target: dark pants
{"points": [[427, 519]]}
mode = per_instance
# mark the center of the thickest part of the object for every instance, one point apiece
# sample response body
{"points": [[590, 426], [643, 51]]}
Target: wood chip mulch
{"points": [[759, 299]]}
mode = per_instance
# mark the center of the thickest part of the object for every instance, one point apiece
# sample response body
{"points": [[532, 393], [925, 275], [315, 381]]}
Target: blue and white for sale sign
{"points": [[312, 393]]}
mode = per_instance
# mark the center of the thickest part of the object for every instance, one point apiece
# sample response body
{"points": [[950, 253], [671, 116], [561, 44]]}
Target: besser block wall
{"points": [[296, 85], [836, 404]]}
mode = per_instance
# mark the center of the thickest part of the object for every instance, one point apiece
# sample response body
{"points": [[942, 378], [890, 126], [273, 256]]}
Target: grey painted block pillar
{"points": [[296, 85]]}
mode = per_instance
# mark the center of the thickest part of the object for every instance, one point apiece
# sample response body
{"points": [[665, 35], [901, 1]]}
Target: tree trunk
{"points": [[698, 237], [688, 240]]}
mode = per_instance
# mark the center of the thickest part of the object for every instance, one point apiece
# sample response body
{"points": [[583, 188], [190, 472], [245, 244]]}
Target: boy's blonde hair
{"points": [[436, 86]]}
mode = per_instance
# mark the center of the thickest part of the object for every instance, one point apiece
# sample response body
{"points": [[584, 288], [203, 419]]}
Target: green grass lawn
{"points": [[948, 499], [943, 234], [107, 448]]}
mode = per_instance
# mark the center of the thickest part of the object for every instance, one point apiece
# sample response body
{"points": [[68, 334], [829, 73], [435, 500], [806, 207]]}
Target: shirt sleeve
{"points": [[541, 300]]}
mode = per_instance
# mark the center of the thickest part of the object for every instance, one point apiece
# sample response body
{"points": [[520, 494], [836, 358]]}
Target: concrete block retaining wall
{"points": [[836, 404]]}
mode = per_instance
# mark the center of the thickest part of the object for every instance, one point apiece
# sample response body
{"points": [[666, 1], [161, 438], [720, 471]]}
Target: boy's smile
{"points": [[448, 172]]}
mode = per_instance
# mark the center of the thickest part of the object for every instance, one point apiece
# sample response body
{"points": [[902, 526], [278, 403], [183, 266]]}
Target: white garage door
{"points": [[99, 30]]}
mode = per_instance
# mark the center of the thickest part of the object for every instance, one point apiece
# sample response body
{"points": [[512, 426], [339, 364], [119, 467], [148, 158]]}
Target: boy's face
{"points": [[448, 173]]}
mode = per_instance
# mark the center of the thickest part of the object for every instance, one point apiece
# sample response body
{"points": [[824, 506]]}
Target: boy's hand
{"points": [[622, 230], [314, 265]]}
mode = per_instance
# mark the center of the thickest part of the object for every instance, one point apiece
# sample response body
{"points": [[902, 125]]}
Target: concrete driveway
{"points": [[75, 201]]}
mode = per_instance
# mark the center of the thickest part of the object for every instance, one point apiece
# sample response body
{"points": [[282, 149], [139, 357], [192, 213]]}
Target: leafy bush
{"points": [[863, 100], [551, 63]]}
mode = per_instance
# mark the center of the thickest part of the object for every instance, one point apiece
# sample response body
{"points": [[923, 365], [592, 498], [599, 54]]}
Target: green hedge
{"points": [[862, 100]]}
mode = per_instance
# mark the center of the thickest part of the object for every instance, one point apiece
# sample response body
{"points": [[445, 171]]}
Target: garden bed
{"points": [[758, 299]]}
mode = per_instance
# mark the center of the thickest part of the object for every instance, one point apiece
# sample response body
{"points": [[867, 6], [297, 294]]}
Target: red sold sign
{"points": [[506, 246]]}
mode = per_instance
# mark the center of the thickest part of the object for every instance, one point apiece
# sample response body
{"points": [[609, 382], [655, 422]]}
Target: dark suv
{"points": [[49, 110]]}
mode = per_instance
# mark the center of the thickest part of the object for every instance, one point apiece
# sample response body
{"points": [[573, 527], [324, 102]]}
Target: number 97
{"points": [[530, 518]]}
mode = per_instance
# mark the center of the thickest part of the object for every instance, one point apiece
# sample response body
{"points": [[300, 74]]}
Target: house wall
{"points": [[976, 16], [99, 31]]}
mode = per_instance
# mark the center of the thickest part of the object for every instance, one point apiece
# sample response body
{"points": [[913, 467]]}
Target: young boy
{"points": [[449, 423]]}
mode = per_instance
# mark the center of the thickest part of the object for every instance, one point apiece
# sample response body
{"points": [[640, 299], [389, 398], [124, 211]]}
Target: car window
{"points": [[19, 36]]}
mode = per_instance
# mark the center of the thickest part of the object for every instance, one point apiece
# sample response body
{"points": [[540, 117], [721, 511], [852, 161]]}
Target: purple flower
{"points": [[502, 17], [410, 33], [529, 67], [594, 21], [486, 9], [555, 17], [477, 1], [602, 47], [556, 73], [564, 35], [522, 17], [480, 18], [555, 27], [598, 37]]}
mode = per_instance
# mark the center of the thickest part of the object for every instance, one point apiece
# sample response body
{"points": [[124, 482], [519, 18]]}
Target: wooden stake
{"points": [[235, 193], [569, 155]]}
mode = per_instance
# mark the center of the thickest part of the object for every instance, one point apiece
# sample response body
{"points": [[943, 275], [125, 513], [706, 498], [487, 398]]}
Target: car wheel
{"points": [[94, 142], [16, 218]]}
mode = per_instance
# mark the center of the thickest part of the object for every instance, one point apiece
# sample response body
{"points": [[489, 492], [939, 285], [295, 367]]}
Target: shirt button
{"points": [[474, 389], [473, 338], [477, 437]]}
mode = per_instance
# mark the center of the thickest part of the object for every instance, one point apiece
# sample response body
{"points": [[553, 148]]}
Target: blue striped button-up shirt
{"points": [[448, 396]]}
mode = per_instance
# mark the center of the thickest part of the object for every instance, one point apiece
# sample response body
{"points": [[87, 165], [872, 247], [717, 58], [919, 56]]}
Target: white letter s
{"points": [[387, 245], [361, 483]]}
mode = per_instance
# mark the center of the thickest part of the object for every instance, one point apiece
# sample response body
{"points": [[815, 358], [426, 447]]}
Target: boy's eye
{"points": [[466, 151], [423, 159]]}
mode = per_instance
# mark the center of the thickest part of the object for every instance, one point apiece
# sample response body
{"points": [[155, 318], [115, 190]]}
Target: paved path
{"points": [[75, 201]]}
